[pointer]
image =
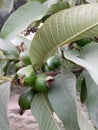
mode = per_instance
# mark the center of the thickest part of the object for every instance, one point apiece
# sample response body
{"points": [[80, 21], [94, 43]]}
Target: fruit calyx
{"points": [[49, 81], [25, 76]]}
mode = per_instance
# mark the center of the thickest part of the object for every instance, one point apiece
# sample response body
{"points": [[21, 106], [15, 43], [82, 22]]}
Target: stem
{"points": [[5, 78], [77, 70], [52, 73]]}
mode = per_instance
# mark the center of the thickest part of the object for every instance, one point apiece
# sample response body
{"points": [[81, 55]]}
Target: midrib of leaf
{"points": [[69, 40], [50, 48], [72, 38], [49, 111]]}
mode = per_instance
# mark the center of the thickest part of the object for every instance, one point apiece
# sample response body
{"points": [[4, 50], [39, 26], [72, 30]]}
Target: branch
{"points": [[2, 58]]}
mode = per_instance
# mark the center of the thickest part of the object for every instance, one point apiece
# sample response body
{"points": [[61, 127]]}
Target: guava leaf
{"points": [[84, 124], [41, 110], [63, 27], [9, 47], [2, 65], [4, 97], [20, 39], [62, 97], [88, 59], [92, 99], [83, 94], [17, 23], [57, 7]]}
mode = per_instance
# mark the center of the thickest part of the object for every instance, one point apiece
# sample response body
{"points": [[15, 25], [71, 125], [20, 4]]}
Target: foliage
{"points": [[62, 57]]}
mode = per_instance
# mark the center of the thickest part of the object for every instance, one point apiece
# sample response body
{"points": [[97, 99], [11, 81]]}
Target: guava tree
{"points": [[58, 64]]}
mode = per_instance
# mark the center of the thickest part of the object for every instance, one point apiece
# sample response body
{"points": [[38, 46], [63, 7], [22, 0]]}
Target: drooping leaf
{"points": [[41, 110], [63, 27], [35, 10], [62, 97], [4, 97], [84, 124], [8, 47], [17, 23], [88, 59], [83, 94], [92, 99]]}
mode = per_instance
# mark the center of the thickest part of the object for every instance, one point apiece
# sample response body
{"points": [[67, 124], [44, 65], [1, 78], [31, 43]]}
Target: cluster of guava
{"points": [[37, 83]]}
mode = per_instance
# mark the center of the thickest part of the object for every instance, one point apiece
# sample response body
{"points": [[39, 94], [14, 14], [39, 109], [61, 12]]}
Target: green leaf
{"points": [[57, 7], [88, 59], [17, 23], [83, 94], [20, 39], [62, 97], [84, 124], [63, 27], [4, 97], [8, 47], [92, 99], [41, 1], [2, 65], [41, 110]]}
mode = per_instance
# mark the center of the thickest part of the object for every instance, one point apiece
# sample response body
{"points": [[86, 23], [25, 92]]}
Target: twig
{"points": [[52, 73], [77, 70], [17, 59], [5, 78]]}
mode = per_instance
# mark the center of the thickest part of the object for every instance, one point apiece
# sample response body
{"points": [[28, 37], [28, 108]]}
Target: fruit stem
{"points": [[52, 73], [77, 70]]}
